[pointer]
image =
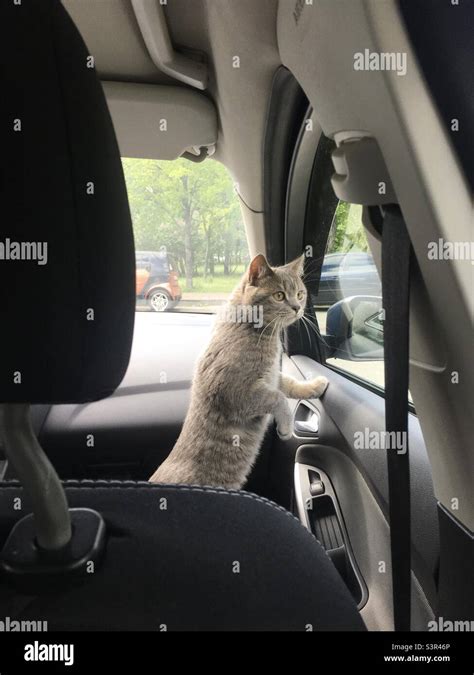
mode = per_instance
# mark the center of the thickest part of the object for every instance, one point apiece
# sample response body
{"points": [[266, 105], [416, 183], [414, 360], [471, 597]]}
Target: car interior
{"points": [[96, 392]]}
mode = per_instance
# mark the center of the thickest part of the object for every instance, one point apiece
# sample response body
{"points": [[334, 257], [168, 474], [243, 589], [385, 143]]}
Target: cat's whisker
{"points": [[306, 328], [306, 321], [312, 276], [308, 325], [277, 325], [265, 328], [308, 317], [313, 323]]}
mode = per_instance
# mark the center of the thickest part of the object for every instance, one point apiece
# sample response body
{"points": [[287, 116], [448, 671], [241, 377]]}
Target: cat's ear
{"points": [[296, 266], [258, 270]]}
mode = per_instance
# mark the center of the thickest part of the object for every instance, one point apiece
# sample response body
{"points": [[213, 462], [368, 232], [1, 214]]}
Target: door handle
{"points": [[308, 427]]}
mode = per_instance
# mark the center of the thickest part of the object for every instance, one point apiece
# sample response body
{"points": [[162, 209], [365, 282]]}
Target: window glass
{"points": [[348, 305], [190, 241], [332, 261]]}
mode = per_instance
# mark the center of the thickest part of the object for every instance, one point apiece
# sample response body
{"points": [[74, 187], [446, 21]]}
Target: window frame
{"points": [[311, 160], [310, 166]]}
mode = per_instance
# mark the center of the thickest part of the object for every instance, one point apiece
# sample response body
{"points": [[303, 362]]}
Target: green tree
{"points": [[190, 209], [347, 232]]}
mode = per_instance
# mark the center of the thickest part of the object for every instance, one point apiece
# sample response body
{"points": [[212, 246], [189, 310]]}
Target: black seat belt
{"points": [[396, 254]]}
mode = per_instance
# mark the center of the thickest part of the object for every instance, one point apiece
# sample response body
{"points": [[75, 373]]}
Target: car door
{"points": [[333, 472]]}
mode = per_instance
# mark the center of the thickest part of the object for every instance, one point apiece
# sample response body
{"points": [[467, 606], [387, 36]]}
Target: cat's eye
{"points": [[279, 295], [300, 295]]}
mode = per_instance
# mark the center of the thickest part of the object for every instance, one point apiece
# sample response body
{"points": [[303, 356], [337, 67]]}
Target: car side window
{"points": [[348, 303], [143, 262]]}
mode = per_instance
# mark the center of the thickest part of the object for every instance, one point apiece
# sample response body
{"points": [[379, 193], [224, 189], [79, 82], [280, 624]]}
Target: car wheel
{"points": [[159, 300]]}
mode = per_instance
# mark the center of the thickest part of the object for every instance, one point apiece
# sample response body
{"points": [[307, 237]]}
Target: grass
{"points": [[219, 283]]}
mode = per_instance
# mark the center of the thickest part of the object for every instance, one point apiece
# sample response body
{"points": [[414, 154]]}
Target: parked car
{"points": [[347, 274], [157, 280]]}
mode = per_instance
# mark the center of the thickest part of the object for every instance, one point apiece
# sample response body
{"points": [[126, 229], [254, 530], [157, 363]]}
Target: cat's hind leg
{"points": [[262, 400]]}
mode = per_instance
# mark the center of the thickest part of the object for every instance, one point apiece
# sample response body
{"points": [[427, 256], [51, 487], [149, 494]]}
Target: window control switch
{"points": [[316, 488]]}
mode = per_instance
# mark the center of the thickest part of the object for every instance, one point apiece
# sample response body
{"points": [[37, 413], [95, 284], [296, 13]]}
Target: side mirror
{"points": [[354, 328]]}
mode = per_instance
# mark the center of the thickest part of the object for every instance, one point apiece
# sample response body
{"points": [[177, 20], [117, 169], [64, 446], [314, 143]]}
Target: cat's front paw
{"points": [[284, 432], [284, 422], [317, 387]]}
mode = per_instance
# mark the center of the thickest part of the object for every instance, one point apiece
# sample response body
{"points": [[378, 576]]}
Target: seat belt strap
{"points": [[396, 254]]}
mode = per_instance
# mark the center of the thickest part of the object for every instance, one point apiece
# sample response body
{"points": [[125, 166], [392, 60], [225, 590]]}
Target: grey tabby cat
{"points": [[238, 385]]}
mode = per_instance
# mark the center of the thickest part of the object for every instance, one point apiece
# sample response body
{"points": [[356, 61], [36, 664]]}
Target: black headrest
{"points": [[67, 312]]}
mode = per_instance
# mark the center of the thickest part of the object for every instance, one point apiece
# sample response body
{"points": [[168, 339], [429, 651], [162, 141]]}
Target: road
{"points": [[373, 371]]}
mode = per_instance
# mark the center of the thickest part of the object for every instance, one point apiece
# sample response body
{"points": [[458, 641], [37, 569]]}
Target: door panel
{"points": [[359, 479]]}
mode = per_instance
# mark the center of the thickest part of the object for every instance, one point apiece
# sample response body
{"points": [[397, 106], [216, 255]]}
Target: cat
{"points": [[237, 385]]}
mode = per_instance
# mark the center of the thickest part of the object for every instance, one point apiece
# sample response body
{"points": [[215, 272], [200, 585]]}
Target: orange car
{"points": [[156, 281]]}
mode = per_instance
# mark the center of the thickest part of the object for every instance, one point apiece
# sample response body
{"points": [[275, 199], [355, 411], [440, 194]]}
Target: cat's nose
{"points": [[296, 308]]}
